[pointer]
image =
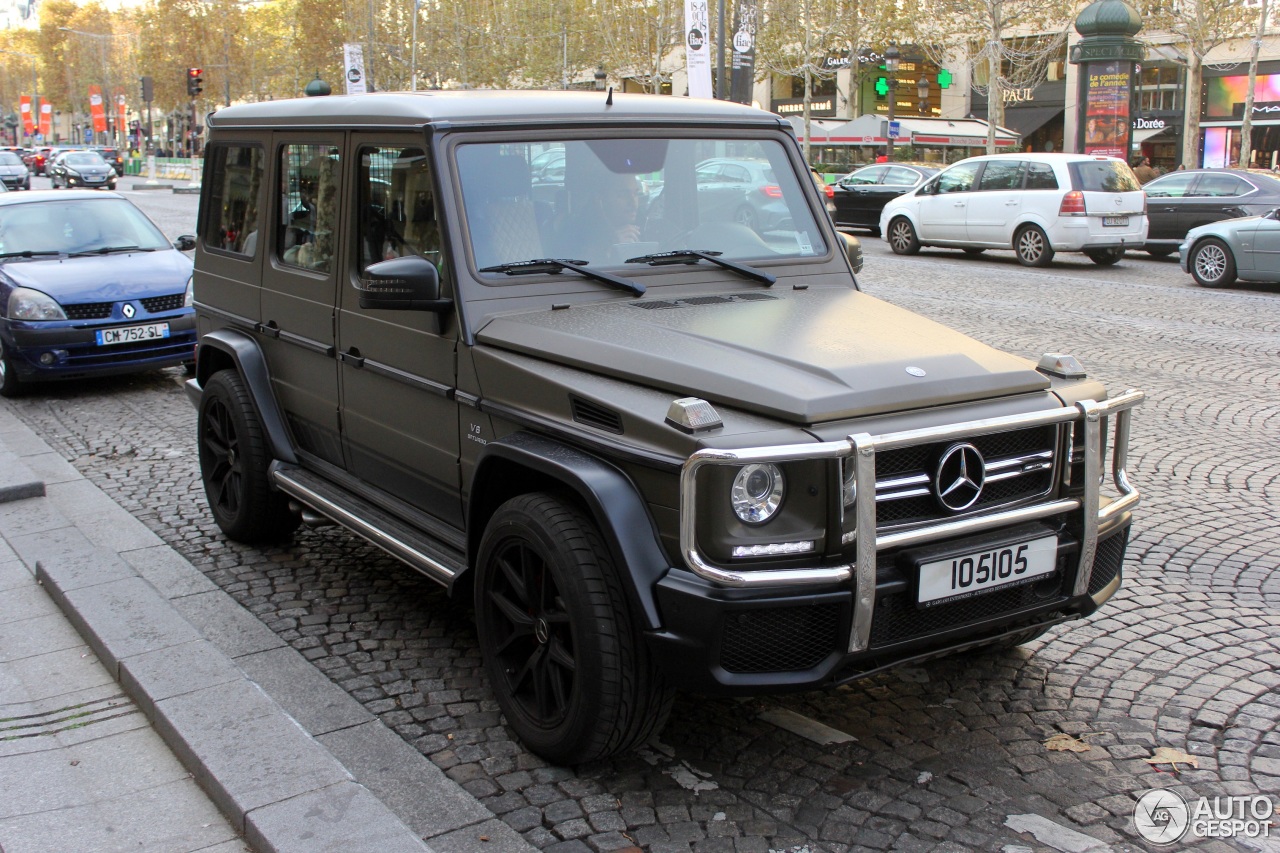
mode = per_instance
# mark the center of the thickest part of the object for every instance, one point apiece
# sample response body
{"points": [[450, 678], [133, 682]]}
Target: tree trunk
{"points": [[995, 111], [1191, 121], [1246, 126]]}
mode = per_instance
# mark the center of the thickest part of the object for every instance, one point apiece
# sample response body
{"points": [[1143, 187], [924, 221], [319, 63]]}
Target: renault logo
{"points": [[128, 310], [961, 474]]}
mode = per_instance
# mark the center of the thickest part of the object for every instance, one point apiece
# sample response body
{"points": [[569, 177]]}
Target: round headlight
{"points": [[757, 493]]}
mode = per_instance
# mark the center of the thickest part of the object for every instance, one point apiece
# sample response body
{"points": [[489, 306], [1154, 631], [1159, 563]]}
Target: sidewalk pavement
{"points": [[142, 709]]}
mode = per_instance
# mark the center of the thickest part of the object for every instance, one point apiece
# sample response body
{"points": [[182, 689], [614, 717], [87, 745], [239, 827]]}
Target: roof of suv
{"points": [[1042, 157], [408, 109]]}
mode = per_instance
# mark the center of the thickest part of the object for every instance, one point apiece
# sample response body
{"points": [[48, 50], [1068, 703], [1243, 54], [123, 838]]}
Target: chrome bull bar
{"points": [[862, 448]]}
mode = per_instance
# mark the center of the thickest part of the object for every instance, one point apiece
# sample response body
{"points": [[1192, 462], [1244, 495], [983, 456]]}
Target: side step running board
{"points": [[429, 556]]}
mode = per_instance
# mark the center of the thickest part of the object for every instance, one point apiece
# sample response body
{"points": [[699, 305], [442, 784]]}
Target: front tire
{"points": [[1212, 264], [902, 237], [1105, 257], [10, 384], [233, 465], [1031, 245], [565, 659]]}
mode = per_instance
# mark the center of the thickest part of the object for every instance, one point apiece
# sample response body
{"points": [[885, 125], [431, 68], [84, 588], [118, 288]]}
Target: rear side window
{"points": [[1170, 186], [309, 208], [1104, 176], [1040, 176], [1001, 175], [1222, 186], [233, 198]]}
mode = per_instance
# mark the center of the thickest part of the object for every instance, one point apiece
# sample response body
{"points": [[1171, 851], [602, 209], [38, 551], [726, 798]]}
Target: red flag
{"points": [[97, 110], [28, 121], [46, 118]]}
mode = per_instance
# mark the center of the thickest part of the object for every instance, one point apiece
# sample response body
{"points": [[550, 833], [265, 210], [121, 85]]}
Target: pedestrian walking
{"points": [[1142, 169]]}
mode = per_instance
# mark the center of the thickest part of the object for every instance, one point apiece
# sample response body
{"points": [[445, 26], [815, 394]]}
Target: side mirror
{"points": [[406, 284], [853, 251], [185, 243]]}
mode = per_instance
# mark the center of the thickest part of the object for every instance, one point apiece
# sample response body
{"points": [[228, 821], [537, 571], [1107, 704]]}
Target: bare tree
{"points": [[640, 36], [1005, 44], [1197, 26], [1246, 126]]}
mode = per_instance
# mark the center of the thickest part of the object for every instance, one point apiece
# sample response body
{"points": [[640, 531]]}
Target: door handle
{"points": [[352, 357]]}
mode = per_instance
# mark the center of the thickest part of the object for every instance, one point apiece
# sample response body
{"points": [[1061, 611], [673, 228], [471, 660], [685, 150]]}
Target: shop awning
{"points": [[927, 132], [1027, 120], [1141, 136]]}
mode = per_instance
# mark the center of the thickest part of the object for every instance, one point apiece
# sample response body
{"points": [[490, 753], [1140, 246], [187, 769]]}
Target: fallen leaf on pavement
{"points": [[1174, 757], [1063, 742]]}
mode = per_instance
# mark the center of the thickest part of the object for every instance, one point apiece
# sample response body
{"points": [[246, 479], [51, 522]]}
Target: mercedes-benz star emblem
{"points": [[127, 310], [961, 474]]}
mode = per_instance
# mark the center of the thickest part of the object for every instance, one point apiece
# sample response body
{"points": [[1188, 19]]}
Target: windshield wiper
{"points": [[692, 256], [556, 265], [28, 253], [107, 250]]}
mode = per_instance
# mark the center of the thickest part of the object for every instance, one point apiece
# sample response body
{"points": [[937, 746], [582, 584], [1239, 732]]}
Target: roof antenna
{"points": [[608, 102]]}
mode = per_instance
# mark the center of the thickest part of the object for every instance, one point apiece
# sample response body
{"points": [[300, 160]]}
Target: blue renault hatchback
{"points": [[88, 286]]}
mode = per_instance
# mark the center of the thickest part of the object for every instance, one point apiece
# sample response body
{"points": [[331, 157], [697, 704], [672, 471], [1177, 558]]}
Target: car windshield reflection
{"points": [[77, 226]]}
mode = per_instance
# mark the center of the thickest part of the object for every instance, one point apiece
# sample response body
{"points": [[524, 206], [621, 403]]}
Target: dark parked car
{"points": [[82, 169], [112, 156], [862, 194], [14, 174], [88, 286], [1180, 201]]}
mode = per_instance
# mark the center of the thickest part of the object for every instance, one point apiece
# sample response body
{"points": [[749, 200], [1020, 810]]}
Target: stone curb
{"points": [[268, 736]]}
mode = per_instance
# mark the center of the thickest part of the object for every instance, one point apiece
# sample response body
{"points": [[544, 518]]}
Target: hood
{"points": [[102, 278], [802, 356]]}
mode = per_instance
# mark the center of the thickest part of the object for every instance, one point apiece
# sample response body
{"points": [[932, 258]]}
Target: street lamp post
{"points": [[413, 65], [892, 56], [601, 77], [922, 92]]}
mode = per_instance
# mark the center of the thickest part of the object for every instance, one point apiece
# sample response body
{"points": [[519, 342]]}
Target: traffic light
{"points": [[148, 90], [194, 80]]}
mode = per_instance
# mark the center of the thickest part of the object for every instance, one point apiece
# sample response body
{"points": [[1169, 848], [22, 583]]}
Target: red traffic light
{"points": [[194, 72]]}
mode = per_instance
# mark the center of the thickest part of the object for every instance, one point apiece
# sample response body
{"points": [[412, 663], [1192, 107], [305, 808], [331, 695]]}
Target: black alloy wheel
{"points": [[233, 465], [568, 666]]}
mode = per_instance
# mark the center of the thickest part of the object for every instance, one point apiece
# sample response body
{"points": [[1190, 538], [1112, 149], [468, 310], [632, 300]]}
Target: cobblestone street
{"points": [[1186, 656]]}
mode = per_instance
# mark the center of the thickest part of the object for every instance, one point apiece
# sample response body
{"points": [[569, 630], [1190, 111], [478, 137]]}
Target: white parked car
{"points": [[1034, 204]]}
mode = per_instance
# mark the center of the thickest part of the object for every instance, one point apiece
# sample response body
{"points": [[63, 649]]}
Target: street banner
{"points": [[1107, 123], [46, 118], [743, 70], [97, 110], [122, 113], [28, 121], [697, 43], [353, 62]]}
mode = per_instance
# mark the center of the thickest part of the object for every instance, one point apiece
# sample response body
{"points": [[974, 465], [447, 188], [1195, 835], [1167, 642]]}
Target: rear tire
{"points": [[1031, 245], [902, 237], [233, 465], [564, 656], [1212, 264], [973, 251], [1106, 257], [1160, 253]]}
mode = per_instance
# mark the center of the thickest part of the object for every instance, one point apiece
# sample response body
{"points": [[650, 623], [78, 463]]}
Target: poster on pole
{"points": [[46, 118], [353, 62], [742, 74], [122, 113], [28, 120], [97, 110], [1106, 124], [697, 42]]}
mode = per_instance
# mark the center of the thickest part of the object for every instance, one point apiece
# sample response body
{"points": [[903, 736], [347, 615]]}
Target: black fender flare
{"points": [[606, 492], [249, 362]]}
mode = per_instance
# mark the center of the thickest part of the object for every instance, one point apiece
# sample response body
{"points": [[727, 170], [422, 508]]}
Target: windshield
{"points": [[604, 201], [80, 225], [84, 158], [8, 158]]}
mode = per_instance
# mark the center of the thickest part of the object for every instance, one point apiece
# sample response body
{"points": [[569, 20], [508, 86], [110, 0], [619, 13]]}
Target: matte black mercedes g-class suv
{"points": [[600, 363]]}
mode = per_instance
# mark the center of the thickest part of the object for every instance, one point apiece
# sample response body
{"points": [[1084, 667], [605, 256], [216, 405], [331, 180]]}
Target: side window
{"points": [[1040, 177], [870, 175], [397, 206], [1170, 186], [958, 179], [236, 178], [899, 177], [309, 176], [1221, 186], [1002, 175]]}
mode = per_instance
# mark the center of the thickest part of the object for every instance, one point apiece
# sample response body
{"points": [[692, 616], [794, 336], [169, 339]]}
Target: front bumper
{"points": [[847, 619], [72, 351]]}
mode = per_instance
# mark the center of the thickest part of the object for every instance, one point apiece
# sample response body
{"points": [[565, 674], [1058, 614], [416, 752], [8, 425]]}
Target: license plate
{"points": [[973, 574], [1115, 220], [132, 334], [93, 178]]}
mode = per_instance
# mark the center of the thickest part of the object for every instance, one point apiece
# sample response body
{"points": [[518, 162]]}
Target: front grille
{"points": [[898, 619], [779, 639], [1020, 466], [156, 304], [88, 311], [1107, 561]]}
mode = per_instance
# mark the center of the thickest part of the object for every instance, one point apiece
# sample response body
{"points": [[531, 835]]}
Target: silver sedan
{"points": [[1247, 248]]}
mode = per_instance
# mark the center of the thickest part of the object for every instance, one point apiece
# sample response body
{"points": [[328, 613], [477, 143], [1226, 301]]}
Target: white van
{"points": [[1035, 204]]}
